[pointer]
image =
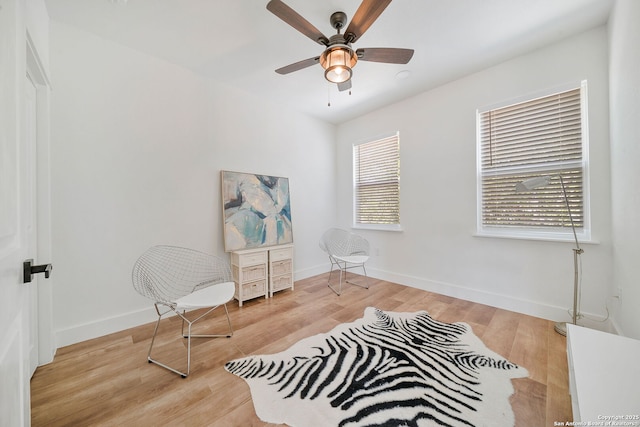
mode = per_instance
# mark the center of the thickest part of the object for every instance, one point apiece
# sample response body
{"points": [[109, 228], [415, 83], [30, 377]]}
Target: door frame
{"points": [[36, 72]]}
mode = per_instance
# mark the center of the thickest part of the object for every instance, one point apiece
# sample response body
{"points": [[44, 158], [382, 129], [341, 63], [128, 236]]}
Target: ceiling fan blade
{"points": [[389, 55], [367, 13], [298, 65], [294, 19], [344, 85]]}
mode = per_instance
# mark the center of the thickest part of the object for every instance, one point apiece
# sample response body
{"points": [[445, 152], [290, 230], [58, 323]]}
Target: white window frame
{"points": [[551, 234], [378, 226]]}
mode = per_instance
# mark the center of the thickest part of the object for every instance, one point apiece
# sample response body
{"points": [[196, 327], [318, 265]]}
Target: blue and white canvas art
{"points": [[257, 210]]}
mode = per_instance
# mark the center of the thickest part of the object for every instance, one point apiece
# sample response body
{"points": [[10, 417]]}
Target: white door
{"points": [[14, 297], [19, 141]]}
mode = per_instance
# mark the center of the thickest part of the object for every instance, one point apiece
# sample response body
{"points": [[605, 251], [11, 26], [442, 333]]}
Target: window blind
{"points": [[542, 136], [377, 181]]}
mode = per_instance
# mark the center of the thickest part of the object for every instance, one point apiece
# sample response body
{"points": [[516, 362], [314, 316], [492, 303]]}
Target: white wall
{"points": [[437, 249], [137, 146], [625, 148]]}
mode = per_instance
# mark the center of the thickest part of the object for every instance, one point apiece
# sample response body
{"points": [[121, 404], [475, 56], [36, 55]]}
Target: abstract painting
{"points": [[256, 211]]}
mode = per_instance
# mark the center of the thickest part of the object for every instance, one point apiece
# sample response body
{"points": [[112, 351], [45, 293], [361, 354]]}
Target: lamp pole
{"points": [[541, 181], [560, 327]]}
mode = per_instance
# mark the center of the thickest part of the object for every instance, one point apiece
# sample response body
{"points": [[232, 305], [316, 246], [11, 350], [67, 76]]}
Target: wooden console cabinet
{"points": [[262, 271]]}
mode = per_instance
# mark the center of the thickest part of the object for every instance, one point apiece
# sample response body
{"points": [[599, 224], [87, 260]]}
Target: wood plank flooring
{"points": [[108, 382]]}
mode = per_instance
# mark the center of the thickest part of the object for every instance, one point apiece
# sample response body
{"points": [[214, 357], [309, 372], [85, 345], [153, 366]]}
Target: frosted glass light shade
{"points": [[338, 62]]}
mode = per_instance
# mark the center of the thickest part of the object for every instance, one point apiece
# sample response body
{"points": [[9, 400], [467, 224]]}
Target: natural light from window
{"points": [[543, 136], [376, 180]]}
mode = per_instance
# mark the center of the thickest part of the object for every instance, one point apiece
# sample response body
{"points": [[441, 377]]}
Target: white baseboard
{"points": [[615, 328], [310, 272], [106, 326], [124, 321], [531, 308]]}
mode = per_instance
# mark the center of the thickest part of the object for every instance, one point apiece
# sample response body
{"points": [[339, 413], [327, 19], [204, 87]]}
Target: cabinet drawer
{"points": [[254, 289], [251, 258], [281, 282], [254, 272], [281, 267], [278, 254]]}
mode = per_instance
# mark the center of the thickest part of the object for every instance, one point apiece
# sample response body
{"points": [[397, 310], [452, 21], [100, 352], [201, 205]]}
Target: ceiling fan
{"points": [[339, 58]]}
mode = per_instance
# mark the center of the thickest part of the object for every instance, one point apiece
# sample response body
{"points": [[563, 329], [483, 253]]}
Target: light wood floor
{"points": [[107, 381]]}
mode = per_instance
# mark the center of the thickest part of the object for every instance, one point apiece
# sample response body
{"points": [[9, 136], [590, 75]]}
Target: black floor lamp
{"points": [[542, 181]]}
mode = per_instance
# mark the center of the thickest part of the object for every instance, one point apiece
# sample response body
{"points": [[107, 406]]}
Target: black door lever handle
{"points": [[28, 269]]}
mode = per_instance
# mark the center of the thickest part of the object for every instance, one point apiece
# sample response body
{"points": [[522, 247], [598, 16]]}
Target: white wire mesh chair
{"points": [[179, 280], [346, 250]]}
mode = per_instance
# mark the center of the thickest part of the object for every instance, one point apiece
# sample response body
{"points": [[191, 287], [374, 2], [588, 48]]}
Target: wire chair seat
{"points": [[179, 280], [346, 250]]}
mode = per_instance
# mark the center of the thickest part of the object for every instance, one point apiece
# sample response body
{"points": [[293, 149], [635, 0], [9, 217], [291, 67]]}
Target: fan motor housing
{"points": [[337, 39]]}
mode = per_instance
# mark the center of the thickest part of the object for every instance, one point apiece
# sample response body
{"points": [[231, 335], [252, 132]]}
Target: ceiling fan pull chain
{"points": [[328, 95]]}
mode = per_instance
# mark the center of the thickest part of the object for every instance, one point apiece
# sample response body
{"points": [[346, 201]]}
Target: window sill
{"points": [[537, 236], [378, 227]]}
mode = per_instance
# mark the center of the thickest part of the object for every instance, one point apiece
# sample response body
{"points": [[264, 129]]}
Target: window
{"points": [[545, 136], [376, 178]]}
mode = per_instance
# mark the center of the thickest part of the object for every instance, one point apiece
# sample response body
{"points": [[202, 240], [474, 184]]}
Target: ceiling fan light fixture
{"points": [[338, 61]]}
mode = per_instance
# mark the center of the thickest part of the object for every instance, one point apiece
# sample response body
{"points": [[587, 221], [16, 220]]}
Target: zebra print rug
{"points": [[385, 369]]}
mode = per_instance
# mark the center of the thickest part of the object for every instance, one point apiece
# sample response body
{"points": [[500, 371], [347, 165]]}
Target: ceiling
{"points": [[240, 43]]}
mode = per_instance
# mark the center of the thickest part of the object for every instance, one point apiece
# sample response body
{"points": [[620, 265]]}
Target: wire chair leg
{"points": [[331, 274], [228, 321], [366, 279], [228, 335], [153, 338], [343, 270], [184, 313], [189, 335], [339, 269], [155, 332], [188, 351]]}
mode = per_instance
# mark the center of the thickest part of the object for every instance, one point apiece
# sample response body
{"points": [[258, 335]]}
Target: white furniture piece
{"points": [[249, 274], [179, 280], [280, 268], [262, 271], [346, 250], [604, 376]]}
